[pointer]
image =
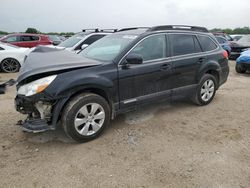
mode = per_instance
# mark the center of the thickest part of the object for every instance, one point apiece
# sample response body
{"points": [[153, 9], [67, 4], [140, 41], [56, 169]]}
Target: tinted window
{"points": [[221, 40], [183, 44], [89, 40], [207, 44], [151, 48], [1, 48], [25, 38], [33, 38], [11, 39], [92, 39]]}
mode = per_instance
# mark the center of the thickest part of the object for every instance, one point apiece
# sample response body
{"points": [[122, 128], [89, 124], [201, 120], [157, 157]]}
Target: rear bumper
{"points": [[224, 75]]}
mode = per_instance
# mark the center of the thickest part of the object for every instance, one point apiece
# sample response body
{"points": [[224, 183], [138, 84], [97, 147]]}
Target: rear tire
{"points": [[240, 69], [206, 90], [85, 117]]}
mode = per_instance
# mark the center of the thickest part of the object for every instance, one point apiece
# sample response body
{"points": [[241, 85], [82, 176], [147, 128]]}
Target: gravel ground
{"points": [[165, 145]]}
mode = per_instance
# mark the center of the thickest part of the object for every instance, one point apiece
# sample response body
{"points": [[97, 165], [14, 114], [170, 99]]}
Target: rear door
{"points": [[186, 58]]}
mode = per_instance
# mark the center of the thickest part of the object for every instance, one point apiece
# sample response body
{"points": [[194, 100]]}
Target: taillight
{"points": [[225, 54]]}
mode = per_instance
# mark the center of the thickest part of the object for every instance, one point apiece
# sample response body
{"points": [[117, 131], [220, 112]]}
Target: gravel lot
{"points": [[165, 145]]}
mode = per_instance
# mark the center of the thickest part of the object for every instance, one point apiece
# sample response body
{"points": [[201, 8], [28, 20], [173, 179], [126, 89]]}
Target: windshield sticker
{"points": [[129, 36]]}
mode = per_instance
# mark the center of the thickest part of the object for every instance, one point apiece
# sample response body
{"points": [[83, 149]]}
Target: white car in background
{"points": [[12, 57], [83, 39]]}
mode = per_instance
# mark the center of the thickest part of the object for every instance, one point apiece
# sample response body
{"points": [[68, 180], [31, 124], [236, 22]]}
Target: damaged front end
{"points": [[39, 112], [41, 107]]}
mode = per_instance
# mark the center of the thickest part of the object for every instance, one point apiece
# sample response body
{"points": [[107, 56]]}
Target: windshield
{"points": [[72, 41], [107, 48], [245, 39]]}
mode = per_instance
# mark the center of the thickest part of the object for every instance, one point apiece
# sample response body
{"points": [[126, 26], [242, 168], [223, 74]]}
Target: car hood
{"points": [[45, 59]]}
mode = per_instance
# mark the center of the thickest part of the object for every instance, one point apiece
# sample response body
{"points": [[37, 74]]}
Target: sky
{"points": [[74, 15]]}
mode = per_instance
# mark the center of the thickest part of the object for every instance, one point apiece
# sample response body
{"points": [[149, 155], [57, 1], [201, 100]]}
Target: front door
{"points": [[150, 80]]}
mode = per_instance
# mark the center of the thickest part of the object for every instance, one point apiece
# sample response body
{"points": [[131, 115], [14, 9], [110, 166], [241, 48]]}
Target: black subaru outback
{"points": [[135, 66]]}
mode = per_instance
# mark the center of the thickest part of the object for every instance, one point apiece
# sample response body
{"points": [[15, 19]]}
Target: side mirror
{"points": [[84, 46], [134, 59]]}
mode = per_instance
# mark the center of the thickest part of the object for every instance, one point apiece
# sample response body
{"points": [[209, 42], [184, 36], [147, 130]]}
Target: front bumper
{"points": [[39, 113]]}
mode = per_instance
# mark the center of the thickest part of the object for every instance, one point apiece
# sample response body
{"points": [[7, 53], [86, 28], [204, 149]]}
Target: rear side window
{"points": [[1, 48], [29, 38], [207, 43], [183, 44], [151, 48], [34, 38]]}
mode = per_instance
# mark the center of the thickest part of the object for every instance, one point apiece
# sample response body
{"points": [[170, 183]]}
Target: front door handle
{"points": [[165, 66]]}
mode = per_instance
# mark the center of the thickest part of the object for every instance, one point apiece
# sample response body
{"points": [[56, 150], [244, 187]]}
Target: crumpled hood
{"points": [[45, 59]]}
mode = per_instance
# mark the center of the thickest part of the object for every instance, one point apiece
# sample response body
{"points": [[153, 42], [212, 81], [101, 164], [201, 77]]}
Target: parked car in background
{"points": [[26, 40], [81, 40], [117, 74], [243, 62], [236, 37], [55, 39], [225, 44], [11, 57], [240, 46], [228, 37], [2, 36]]}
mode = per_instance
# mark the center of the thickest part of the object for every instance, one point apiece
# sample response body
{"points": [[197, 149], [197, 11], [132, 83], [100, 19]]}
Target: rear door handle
{"points": [[201, 60], [165, 66]]}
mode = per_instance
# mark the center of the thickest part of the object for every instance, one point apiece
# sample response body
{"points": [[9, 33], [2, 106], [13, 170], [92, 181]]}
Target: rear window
{"points": [[183, 44], [207, 43]]}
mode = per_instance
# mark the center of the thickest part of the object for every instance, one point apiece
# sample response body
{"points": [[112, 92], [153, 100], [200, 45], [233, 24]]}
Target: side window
{"points": [[183, 44], [34, 38], [151, 48], [92, 39], [11, 39], [221, 40], [1, 48], [207, 44], [25, 38]]}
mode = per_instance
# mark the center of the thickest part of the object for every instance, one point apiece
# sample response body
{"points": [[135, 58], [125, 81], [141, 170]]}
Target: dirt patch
{"points": [[164, 145]]}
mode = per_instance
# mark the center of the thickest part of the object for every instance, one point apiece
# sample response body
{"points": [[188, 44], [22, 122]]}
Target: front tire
{"points": [[85, 117], [240, 69], [206, 90]]}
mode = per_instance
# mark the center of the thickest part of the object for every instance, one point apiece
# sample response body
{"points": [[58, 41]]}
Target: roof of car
{"points": [[163, 28], [25, 34]]}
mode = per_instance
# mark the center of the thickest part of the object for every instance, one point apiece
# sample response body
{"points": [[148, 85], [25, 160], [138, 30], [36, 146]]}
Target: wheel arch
{"points": [[58, 109]]}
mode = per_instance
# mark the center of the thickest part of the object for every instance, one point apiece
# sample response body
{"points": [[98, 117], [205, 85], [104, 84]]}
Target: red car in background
{"points": [[26, 40]]}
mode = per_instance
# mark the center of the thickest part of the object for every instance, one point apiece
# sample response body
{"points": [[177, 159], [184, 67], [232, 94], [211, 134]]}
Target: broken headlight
{"points": [[36, 86]]}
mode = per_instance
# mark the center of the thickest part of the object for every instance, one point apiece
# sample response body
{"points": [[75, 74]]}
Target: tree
{"points": [[31, 30]]}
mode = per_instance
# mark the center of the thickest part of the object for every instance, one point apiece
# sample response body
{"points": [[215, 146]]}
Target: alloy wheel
{"points": [[89, 119], [10, 65], [207, 90]]}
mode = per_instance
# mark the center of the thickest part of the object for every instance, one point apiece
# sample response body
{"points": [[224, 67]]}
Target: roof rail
{"points": [[132, 28], [179, 27], [96, 30], [100, 30], [108, 30]]}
